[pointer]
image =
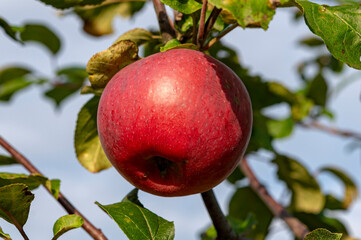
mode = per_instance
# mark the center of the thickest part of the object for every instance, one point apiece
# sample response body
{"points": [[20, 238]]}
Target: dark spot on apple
{"points": [[163, 164]]}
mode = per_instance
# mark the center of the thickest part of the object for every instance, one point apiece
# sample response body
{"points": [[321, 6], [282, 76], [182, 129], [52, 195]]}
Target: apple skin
{"points": [[175, 123]]}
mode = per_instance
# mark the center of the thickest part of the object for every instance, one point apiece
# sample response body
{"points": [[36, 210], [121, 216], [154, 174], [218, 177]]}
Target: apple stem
{"points": [[220, 222], [297, 227], [166, 28], [87, 226]]}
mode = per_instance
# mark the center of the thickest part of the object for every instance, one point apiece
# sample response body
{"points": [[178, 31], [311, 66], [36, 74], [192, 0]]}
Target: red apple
{"points": [[175, 123]]}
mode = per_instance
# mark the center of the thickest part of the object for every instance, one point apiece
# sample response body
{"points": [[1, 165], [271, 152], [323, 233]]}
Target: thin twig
{"points": [[211, 21], [166, 27], [202, 22], [87, 226], [224, 230], [297, 227], [332, 130], [16, 223], [194, 34], [217, 38]]}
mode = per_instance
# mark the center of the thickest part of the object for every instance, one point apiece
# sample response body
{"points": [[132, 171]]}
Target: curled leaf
{"points": [[350, 187], [137, 35], [86, 140], [306, 193], [66, 223], [104, 65]]}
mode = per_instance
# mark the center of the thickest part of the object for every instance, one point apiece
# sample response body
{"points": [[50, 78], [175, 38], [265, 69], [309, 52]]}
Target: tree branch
{"points": [[224, 230], [332, 130], [87, 226], [222, 34], [297, 227], [201, 28], [166, 28], [211, 21]]}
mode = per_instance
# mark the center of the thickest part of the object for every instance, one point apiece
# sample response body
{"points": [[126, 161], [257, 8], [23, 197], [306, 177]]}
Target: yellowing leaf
{"points": [[350, 187], [255, 13], [137, 35], [98, 19], [86, 140], [104, 65], [306, 193]]}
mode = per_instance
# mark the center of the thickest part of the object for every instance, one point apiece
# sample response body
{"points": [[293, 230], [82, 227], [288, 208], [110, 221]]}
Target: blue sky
{"points": [[45, 135]]}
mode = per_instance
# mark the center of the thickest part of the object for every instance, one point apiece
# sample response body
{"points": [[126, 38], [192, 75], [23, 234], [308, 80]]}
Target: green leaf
{"points": [[5, 160], [54, 187], [4, 235], [339, 27], [9, 88], [61, 4], [351, 192], [137, 35], [333, 203], [43, 35], [184, 6], [323, 234], [66, 223], [69, 81], [138, 222], [311, 42], [260, 137], [132, 197], [15, 200], [317, 90], [97, 20], [240, 227], [255, 13], [86, 140], [175, 44], [301, 108], [104, 65], [235, 176], [314, 221], [280, 128], [10, 31], [245, 202], [13, 72], [12, 80], [33, 181], [306, 193]]}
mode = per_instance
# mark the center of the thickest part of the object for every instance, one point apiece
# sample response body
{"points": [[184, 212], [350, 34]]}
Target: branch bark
{"points": [[216, 39], [297, 227], [87, 226], [332, 130], [201, 27], [211, 21], [166, 28], [224, 230]]}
